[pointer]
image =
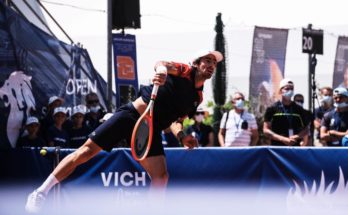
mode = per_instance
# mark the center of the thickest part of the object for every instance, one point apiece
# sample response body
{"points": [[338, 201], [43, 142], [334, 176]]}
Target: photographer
{"points": [[238, 127]]}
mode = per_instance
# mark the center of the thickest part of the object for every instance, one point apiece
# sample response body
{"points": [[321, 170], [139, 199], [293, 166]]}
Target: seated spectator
{"points": [[94, 111], [204, 133], [335, 122], [56, 135], [79, 132], [238, 127], [31, 139]]}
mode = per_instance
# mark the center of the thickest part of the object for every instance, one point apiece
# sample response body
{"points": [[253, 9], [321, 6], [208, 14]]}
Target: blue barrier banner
{"points": [[125, 64], [276, 180]]}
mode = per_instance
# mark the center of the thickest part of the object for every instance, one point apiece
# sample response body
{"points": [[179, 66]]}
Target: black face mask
{"points": [[244, 125]]}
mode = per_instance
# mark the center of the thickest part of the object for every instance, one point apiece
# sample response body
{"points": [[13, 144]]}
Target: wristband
{"points": [[161, 69], [180, 135]]}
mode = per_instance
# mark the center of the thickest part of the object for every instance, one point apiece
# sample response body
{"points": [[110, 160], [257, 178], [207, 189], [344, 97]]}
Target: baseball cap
{"points": [[218, 56], [78, 109], [285, 82], [31, 120], [53, 99], [340, 91], [59, 110], [106, 117]]}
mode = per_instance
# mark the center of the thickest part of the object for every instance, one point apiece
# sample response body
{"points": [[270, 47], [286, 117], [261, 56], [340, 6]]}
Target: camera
{"points": [[244, 125]]}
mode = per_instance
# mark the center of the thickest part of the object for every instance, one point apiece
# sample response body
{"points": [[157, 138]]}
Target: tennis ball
{"points": [[43, 152]]}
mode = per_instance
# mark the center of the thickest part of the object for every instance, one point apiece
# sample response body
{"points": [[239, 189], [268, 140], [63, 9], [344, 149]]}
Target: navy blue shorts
{"points": [[120, 126]]}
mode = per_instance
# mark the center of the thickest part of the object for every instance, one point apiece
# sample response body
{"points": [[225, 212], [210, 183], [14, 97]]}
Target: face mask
{"points": [[299, 103], [94, 109], [327, 99], [239, 104], [340, 105], [288, 94], [199, 118]]}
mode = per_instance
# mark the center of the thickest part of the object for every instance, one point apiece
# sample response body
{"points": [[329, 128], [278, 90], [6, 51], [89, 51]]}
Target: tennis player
{"points": [[178, 97]]}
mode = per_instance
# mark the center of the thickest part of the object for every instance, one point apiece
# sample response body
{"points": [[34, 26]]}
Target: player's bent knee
{"points": [[86, 152]]}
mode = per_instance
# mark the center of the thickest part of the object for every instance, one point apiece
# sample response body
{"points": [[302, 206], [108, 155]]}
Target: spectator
{"points": [[334, 125], [169, 139], [94, 111], [204, 133], [285, 123], [56, 135], [307, 139], [32, 138], [47, 120], [326, 105], [238, 127], [79, 132]]}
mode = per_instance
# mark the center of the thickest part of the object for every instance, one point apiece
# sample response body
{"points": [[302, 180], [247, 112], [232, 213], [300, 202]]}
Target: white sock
{"points": [[48, 184]]}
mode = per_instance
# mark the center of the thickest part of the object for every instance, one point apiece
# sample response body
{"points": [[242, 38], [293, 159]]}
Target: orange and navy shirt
{"points": [[177, 98]]}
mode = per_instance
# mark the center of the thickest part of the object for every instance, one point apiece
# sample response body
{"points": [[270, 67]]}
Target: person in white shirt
{"points": [[238, 127]]}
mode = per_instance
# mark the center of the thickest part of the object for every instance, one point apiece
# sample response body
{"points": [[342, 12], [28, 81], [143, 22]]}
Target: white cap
{"points": [[106, 117], [340, 91], [218, 56], [31, 120], [78, 109], [285, 82], [59, 110], [53, 99]]}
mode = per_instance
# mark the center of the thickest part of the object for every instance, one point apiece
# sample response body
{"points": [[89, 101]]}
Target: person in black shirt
{"points": [[78, 133], [285, 123], [334, 125]]}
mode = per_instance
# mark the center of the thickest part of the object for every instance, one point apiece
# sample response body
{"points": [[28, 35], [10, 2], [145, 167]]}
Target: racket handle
{"points": [[154, 91]]}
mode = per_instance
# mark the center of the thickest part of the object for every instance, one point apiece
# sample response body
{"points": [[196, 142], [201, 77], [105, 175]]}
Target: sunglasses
{"points": [[300, 101], [199, 113], [92, 101]]}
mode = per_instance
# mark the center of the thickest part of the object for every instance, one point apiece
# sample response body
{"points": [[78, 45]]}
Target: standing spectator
{"points": [[94, 111], [238, 127], [285, 122], [79, 132], [56, 135], [334, 125], [31, 139], [326, 105], [204, 133], [307, 139]]}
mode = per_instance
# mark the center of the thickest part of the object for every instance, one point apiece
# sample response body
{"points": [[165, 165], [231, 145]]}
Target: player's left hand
{"points": [[189, 141]]}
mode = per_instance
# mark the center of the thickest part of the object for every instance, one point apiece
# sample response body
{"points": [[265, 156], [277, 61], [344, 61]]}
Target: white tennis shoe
{"points": [[35, 202]]}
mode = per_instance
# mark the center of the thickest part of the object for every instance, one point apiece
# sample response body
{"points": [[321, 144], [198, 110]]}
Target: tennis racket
{"points": [[143, 130]]}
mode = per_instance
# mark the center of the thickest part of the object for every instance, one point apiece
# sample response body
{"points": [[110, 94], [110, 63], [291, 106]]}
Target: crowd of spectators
{"points": [[285, 123]]}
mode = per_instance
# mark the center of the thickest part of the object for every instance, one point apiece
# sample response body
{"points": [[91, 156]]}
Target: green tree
{"points": [[220, 77]]}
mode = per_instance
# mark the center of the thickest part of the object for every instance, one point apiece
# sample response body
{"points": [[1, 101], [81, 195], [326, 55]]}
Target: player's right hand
{"points": [[189, 141], [159, 78]]}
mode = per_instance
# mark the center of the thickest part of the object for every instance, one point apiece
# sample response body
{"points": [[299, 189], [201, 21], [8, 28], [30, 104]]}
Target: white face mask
{"points": [[199, 118], [94, 109], [239, 104], [340, 105], [299, 103], [327, 100], [288, 94]]}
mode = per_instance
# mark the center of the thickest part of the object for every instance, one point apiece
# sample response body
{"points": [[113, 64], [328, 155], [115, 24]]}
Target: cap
{"points": [[59, 110], [285, 82], [31, 120], [106, 117], [53, 99], [78, 109], [340, 91], [218, 56]]}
